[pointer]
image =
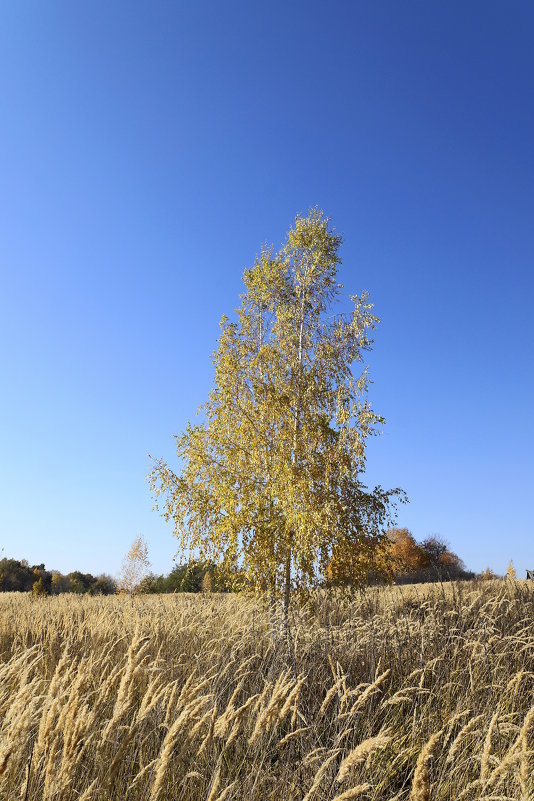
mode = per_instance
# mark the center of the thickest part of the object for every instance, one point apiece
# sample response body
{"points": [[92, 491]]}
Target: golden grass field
{"points": [[402, 693]]}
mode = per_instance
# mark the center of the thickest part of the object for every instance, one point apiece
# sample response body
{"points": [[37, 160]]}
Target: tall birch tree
{"points": [[272, 479]]}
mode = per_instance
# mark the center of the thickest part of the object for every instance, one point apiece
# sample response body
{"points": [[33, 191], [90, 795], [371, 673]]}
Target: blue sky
{"points": [[147, 150]]}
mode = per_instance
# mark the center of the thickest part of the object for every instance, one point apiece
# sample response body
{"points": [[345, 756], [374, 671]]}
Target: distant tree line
{"points": [[399, 559], [19, 576], [194, 576]]}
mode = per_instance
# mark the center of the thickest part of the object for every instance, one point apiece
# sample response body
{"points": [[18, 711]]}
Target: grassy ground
{"points": [[413, 692]]}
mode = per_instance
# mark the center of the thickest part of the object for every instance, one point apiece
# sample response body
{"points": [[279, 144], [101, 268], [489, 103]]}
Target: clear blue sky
{"points": [[147, 150]]}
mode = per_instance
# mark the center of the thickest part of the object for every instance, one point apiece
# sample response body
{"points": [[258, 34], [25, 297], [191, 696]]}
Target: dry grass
{"points": [[400, 694]]}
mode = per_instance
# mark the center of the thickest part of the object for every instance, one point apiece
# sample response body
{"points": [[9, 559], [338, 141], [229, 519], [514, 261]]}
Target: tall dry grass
{"points": [[397, 694]]}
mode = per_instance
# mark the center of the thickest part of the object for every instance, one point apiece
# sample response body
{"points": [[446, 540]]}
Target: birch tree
{"points": [[271, 480], [134, 567]]}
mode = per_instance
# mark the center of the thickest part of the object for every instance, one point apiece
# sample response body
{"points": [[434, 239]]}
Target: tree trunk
{"points": [[287, 587], [294, 461], [272, 614]]}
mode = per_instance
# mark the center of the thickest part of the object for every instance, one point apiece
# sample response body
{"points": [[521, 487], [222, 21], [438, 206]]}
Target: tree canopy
{"points": [[271, 478]]}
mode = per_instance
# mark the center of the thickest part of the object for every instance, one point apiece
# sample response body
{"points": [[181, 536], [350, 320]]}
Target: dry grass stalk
{"points": [[317, 779], [486, 751], [354, 792], [360, 754], [226, 792], [421, 781], [292, 735], [215, 782], [122, 697], [464, 732]]}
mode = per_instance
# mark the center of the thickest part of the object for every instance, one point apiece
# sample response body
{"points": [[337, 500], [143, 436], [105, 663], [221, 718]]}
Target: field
{"points": [[397, 694]]}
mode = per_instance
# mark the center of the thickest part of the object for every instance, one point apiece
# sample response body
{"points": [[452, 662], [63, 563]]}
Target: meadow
{"points": [[399, 693]]}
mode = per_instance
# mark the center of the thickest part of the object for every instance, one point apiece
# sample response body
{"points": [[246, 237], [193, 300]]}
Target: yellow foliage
{"points": [[271, 480]]}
